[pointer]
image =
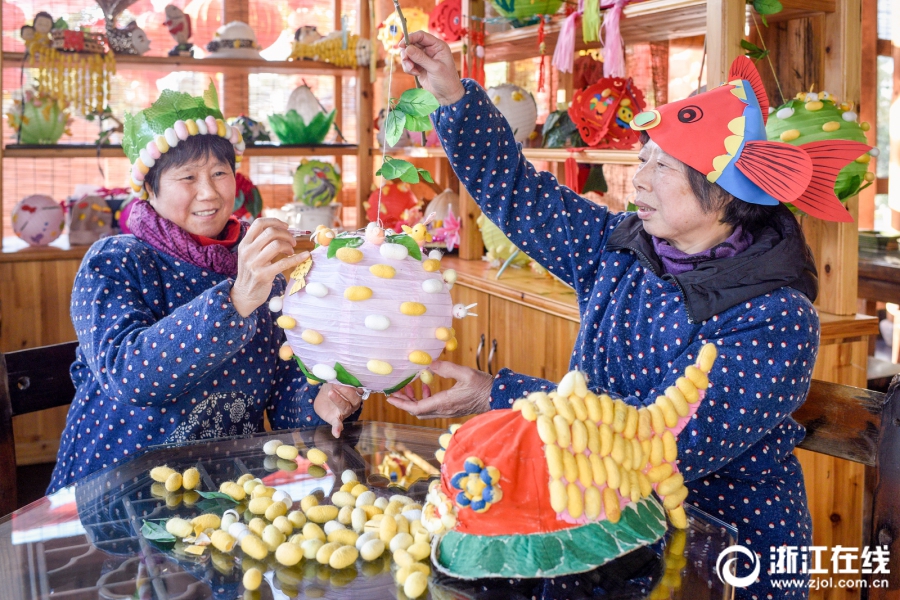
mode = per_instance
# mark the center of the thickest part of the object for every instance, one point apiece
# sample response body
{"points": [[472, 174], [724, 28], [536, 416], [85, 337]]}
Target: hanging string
{"points": [[384, 140]]}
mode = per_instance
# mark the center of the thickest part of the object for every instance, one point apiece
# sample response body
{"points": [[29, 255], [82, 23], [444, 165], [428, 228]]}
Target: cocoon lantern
{"points": [[377, 327], [316, 183], [38, 219], [517, 106]]}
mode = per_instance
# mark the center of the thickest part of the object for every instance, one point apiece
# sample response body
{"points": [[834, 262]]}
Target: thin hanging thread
{"points": [[768, 56], [384, 140]]}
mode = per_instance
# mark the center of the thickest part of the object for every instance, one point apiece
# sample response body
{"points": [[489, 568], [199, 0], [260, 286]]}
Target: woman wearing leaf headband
{"points": [[712, 255], [176, 340]]}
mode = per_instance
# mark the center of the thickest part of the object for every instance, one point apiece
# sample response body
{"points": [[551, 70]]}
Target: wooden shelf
{"points": [[89, 151], [217, 65], [586, 156], [650, 21]]}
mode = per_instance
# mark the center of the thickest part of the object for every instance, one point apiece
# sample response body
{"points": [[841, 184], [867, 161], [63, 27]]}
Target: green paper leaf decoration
{"points": [[345, 377], [414, 123], [344, 242], [303, 368], [256, 203], [171, 106], [216, 496], [393, 127], [290, 128], [418, 102], [397, 168], [596, 182], [767, 7], [400, 385], [156, 532], [425, 175], [407, 241]]}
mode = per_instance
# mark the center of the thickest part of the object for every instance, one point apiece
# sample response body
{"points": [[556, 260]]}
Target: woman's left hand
{"points": [[334, 403], [266, 250], [470, 395]]}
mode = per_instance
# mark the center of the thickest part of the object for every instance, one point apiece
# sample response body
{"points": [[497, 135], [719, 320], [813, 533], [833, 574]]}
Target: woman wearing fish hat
{"points": [[711, 256]]}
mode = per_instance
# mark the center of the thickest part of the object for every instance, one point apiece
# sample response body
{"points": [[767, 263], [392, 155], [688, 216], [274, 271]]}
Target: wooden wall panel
{"points": [[34, 311]]}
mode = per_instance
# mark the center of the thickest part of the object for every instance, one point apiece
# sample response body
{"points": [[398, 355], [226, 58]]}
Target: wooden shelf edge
{"points": [[216, 65], [836, 327], [88, 151]]}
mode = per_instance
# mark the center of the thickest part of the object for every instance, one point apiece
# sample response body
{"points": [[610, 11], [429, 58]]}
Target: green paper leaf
{"points": [[238, 201], [425, 175], [407, 241], [256, 203], [418, 102], [596, 182], [767, 7], [399, 386], [156, 532], [344, 242], [397, 168], [290, 128], [216, 496], [393, 127], [345, 377], [414, 123], [303, 368]]}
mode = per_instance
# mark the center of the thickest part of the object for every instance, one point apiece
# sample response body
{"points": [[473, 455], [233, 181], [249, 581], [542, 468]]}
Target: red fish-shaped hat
{"points": [[722, 134]]}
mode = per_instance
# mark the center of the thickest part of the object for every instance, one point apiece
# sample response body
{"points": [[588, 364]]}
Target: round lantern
{"points": [[446, 20], [603, 112], [39, 119], [525, 12], [396, 199], [370, 311], [518, 106], [391, 31], [812, 117], [38, 219], [316, 183]]}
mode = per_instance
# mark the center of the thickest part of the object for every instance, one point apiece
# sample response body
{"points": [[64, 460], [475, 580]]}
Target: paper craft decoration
{"points": [[444, 225], [39, 118], [390, 32], [38, 219], [727, 127], [604, 110], [563, 482], [173, 118], [252, 131], [130, 39], [445, 20], [293, 128], [234, 40], [92, 213], [498, 247], [124, 213], [397, 198], [72, 67], [316, 183], [517, 105], [179, 25], [248, 203], [368, 310], [336, 48], [812, 117], [525, 12]]}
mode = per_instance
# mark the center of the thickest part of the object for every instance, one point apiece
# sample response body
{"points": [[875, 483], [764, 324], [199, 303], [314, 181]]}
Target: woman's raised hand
{"points": [[470, 395], [430, 59], [334, 403], [266, 250]]}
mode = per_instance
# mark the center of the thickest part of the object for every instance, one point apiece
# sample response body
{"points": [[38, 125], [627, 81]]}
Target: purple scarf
{"points": [[677, 262], [167, 237]]}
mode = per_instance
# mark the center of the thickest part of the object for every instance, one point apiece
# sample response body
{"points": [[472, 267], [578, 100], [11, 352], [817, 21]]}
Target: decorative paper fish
{"points": [[722, 133]]}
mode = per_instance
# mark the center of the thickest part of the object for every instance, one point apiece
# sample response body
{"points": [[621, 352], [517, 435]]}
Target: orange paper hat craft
{"points": [[563, 482], [722, 134]]}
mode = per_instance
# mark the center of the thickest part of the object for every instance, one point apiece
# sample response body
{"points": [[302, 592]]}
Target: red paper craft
{"points": [[603, 112], [446, 20]]}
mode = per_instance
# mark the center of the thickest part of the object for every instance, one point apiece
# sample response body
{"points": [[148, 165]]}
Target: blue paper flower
{"points": [[478, 485]]}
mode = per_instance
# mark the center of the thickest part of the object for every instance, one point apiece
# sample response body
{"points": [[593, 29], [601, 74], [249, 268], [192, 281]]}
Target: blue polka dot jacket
{"points": [[164, 357], [641, 327]]}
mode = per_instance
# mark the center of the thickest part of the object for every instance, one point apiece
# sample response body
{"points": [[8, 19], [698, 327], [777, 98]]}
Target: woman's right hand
{"points": [[430, 59], [266, 250], [470, 395]]}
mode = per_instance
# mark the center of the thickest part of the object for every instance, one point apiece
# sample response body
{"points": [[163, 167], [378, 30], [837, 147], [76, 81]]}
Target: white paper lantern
{"points": [[518, 106], [38, 219], [304, 102], [364, 314]]}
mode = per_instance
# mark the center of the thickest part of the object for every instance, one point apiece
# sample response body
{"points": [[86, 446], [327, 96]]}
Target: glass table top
{"points": [[84, 542]]}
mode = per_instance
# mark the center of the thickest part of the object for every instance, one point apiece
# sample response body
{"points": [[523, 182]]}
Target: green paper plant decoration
{"points": [[410, 112], [39, 119], [290, 127]]}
